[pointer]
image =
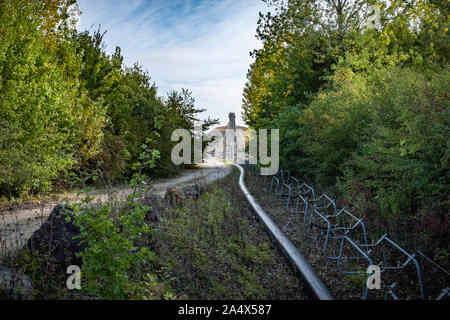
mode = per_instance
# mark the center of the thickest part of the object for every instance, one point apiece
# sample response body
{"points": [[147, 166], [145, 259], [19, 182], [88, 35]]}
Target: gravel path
{"points": [[18, 224]]}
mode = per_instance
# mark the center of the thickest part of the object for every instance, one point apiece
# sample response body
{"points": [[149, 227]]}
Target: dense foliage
{"points": [[363, 112], [67, 105]]}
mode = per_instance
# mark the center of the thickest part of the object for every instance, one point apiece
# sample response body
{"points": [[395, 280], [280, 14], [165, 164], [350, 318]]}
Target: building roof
{"points": [[223, 128]]}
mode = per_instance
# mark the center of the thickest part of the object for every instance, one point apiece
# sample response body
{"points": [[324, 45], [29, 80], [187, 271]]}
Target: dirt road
{"points": [[17, 225]]}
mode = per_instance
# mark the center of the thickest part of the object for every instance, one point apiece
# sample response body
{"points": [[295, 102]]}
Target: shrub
{"points": [[117, 258]]}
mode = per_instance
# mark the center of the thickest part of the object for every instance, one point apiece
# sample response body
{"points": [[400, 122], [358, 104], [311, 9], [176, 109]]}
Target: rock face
{"points": [[174, 197], [192, 192], [54, 240], [156, 206], [15, 285]]}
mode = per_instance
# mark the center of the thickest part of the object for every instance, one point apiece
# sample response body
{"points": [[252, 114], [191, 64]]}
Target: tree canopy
{"points": [[65, 104], [363, 111]]}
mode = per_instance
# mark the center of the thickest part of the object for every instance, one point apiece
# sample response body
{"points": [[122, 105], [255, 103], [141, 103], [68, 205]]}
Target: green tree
{"points": [[44, 115]]}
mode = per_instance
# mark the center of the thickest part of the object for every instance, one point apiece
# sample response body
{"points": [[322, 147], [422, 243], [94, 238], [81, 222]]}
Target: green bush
{"points": [[117, 259], [381, 139], [400, 171]]}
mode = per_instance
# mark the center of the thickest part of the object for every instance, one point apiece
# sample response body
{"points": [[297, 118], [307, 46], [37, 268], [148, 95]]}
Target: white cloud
{"points": [[199, 45]]}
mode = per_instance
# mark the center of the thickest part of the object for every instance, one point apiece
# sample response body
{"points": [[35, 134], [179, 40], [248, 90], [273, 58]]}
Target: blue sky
{"points": [[201, 45]]}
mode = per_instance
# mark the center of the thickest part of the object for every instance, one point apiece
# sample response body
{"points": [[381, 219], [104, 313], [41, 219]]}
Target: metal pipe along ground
{"points": [[316, 285]]}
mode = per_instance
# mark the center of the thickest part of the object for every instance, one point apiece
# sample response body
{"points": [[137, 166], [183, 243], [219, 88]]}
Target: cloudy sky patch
{"points": [[200, 45]]}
